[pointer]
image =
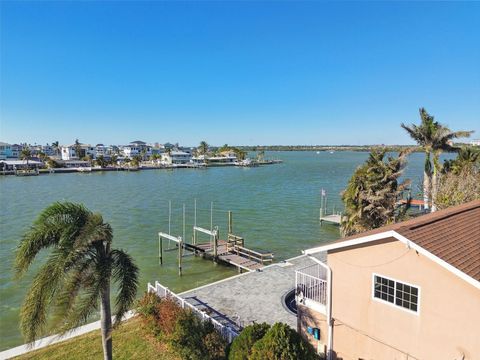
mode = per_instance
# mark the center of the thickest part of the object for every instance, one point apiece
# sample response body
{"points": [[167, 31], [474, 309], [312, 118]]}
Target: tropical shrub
{"points": [[148, 309], [189, 336], [241, 347], [372, 193], [455, 189], [281, 342]]}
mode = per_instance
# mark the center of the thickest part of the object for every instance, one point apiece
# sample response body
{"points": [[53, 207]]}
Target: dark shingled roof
{"points": [[452, 235]]}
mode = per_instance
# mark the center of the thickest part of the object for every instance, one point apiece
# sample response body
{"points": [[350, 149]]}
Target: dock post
{"points": [[230, 222], [180, 257], [215, 244]]}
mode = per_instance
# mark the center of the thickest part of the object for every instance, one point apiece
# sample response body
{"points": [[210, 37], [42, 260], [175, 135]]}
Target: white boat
{"points": [[246, 163], [84, 169]]}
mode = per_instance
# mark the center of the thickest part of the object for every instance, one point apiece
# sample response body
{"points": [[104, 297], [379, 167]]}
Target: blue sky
{"points": [[235, 72]]}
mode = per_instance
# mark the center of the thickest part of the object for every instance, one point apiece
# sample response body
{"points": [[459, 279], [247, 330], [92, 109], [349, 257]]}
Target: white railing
{"points": [[226, 331], [311, 283]]}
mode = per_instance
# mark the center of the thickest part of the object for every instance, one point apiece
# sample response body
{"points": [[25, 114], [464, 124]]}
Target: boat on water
{"points": [[85, 169], [331, 151], [246, 163]]}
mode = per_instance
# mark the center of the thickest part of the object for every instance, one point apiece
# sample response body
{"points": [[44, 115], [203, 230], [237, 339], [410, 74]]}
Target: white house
{"points": [[176, 157], [475, 142], [70, 153], [136, 148]]}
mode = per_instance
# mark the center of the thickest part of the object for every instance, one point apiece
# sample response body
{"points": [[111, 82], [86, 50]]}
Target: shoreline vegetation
{"points": [[360, 148]]}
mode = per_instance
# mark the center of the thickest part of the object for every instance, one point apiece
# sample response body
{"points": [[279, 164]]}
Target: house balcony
{"points": [[311, 287]]}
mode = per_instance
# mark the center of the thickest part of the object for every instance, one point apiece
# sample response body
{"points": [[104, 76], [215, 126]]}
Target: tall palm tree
{"points": [[433, 138], [203, 148], [75, 277], [26, 154], [56, 147], [373, 192], [78, 149]]}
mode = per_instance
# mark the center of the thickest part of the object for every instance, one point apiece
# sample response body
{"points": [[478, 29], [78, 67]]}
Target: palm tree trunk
{"points": [[426, 190], [106, 322]]}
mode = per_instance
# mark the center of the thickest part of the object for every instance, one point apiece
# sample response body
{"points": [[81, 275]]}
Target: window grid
{"points": [[396, 293]]}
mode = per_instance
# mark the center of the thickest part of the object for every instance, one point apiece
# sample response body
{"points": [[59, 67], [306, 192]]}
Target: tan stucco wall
{"points": [[446, 327], [307, 317]]}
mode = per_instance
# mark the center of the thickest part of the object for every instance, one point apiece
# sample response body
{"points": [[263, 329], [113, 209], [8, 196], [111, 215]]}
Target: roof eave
{"points": [[401, 238]]}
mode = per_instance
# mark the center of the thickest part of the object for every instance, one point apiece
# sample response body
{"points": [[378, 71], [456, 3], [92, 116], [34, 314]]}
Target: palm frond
{"points": [[125, 274]]}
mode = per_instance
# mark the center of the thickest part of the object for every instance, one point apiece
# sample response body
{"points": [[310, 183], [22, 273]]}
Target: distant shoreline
{"points": [[359, 148]]}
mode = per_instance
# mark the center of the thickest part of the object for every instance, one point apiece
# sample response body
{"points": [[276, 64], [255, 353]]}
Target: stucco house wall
{"points": [[445, 327]]}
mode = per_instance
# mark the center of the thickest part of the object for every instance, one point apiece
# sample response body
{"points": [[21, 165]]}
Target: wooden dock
{"points": [[334, 218], [233, 252], [230, 251]]}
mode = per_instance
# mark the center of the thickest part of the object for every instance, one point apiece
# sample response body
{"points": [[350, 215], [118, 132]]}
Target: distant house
{"points": [[475, 142], [176, 157], [405, 291], [137, 148], [16, 150], [69, 152], [228, 158], [5, 150], [20, 164]]}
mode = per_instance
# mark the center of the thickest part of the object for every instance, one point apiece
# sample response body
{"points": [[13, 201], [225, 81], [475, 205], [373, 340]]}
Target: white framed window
{"points": [[396, 293]]}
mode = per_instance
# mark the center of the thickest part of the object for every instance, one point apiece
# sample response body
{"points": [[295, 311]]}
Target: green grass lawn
{"points": [[129, 342]]}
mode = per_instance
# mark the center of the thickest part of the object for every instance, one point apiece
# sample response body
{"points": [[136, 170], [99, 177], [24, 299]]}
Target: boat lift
{"points": [[231, 251]]}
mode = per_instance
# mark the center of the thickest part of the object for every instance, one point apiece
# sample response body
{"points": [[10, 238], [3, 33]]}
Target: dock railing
{"points": [[311, 283], [252, 254], [226, 331]]}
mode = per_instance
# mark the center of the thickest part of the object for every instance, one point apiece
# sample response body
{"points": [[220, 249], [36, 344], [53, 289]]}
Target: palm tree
{"points": [[203, 148], [26, 154], [373, 192], [75, 277], [113, 159], [56, 147], [466, 158], [100, 160], [433, 138], [78, 148]]}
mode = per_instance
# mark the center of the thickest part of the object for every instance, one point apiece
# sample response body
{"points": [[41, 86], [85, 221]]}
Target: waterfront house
{"points": [[176, 157], [11, 165], [16, 150], [405, 291], [5, 151], [228, 159], [69, 152], [136, 148]]}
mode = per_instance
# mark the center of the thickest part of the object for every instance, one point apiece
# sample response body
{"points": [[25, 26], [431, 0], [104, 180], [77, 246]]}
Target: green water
{"points": [[274, 207]]}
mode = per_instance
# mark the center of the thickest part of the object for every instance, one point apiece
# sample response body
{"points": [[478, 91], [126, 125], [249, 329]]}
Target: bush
{"points": [[241, 347], [147, 308], [215, 346], [189, 336], [282, 343], [194, 339], [168, 313]]}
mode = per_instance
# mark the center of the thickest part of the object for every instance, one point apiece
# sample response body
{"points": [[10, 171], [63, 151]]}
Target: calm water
{"points": [[274, 207]]}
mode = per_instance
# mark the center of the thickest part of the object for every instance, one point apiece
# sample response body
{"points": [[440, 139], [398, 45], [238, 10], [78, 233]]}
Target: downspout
{"points": [[329, 306]]}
